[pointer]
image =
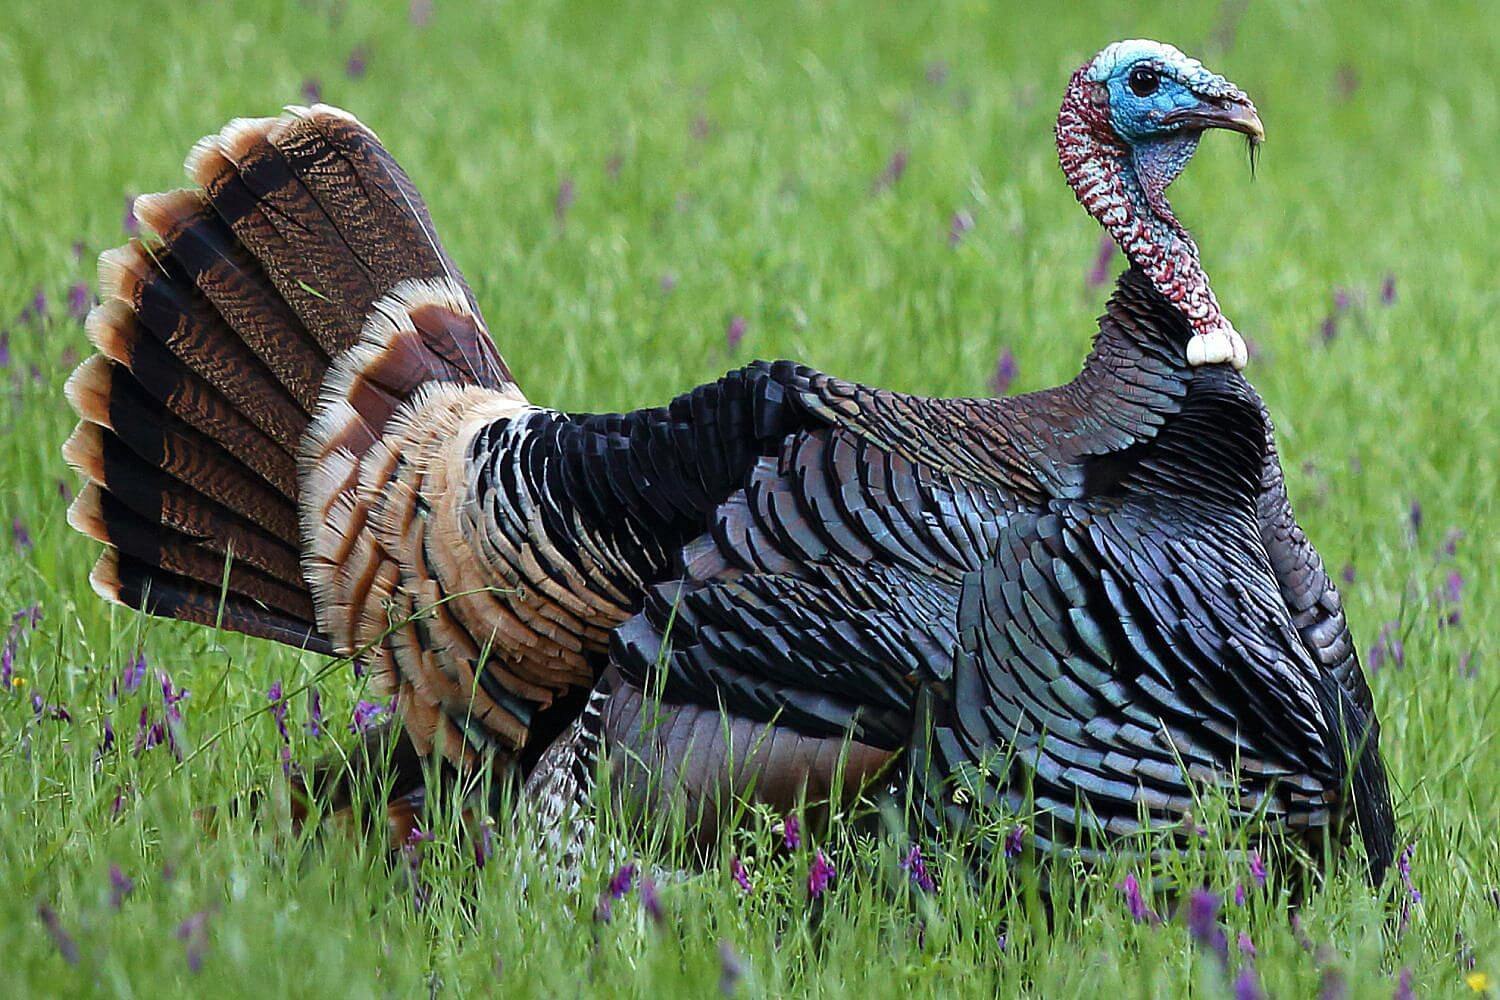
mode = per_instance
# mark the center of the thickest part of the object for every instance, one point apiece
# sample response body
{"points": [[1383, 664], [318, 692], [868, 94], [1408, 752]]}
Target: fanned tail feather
{"points": [[214, 341]]}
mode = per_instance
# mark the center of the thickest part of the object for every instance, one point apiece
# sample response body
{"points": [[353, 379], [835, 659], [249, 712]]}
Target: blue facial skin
{"points": [[1139, 119], [1159, 151]]}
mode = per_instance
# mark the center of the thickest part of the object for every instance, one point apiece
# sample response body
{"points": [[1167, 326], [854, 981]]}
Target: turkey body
{"points": [[1091, 601], [780, 585]]}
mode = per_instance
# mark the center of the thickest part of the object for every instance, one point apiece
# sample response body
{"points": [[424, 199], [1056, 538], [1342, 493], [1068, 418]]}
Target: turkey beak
{"points": [[1234, 115]]}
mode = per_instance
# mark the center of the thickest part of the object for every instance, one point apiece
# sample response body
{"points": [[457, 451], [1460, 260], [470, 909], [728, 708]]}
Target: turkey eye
{"points": [[1143, 81]]}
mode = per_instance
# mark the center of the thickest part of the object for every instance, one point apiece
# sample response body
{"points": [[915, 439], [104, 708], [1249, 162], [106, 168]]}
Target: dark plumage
{"points": [[780, 584]]}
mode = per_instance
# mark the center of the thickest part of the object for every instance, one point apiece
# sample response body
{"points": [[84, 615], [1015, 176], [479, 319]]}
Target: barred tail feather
{"points": [[214, 341]]}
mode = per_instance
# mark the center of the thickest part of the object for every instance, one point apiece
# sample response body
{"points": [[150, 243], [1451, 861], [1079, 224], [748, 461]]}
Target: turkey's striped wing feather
{"points": [[774, 687], [837, 650], [1114, 656], [1310, 595]]}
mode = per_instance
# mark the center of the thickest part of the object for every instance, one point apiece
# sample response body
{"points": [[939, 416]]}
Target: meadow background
{"points": [[642, 200]]}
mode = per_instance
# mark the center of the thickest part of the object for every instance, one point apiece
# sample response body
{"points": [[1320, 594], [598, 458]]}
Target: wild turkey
{"points": [[781, 583]]}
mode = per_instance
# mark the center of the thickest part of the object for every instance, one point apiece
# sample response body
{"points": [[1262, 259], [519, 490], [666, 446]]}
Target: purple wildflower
{"points": [[1413, 897], [960, 224], [130, 224], [668, 281], [79, 301], [1414, 518], [484, 844], [193, 933], [1246, 946], [411, 852], [312, 90], [1239, 894], [314, 713], [1453, 587], [740, 874], [278, 709], [419, 13], [1015, 841], [1135, 903], [4, 348], [895, 168], [120, 886], [791, 833], [107, 743], [1388, 290], [37, 310], [1403, 986], [1388, 647], [914, 865], [1328, 330], [1203, 922], [46, 710], [1247, 984], [1258, 869], [1001, 941], [567, 193], [118, 805], [358, 62], [1099, 274], [936, 72], [1451, 540], [731, 969], [1453, 596], [367, 715], [133, 674], [621, 881], [735, 331], [1342, 299], [19, 621], [66, 947], [651, 900], [148, 734], [1347, 574], [1006, 371], [170, 696], [820, 874], [20, 535], [1463, 952], [1331, 984]]}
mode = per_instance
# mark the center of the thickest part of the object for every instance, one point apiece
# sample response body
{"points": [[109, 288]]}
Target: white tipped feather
{"points": [[105, 576], [87, 389], [107, 325], [85, 515], [201, 158], [242, 135], [120, 272], [84, 451]]}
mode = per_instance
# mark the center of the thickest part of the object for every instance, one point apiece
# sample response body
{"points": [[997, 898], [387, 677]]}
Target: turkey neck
{"points": [[1124, 188]]}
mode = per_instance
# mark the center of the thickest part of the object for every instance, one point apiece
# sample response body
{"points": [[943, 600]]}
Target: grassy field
{"points": [[642, 202]]}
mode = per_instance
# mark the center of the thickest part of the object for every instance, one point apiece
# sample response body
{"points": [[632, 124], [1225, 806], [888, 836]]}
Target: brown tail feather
{"points": [[155, 497], [214, 344]]}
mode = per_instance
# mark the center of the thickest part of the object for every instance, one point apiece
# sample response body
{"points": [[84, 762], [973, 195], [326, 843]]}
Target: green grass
{"points": [[1384, 131]]}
